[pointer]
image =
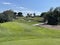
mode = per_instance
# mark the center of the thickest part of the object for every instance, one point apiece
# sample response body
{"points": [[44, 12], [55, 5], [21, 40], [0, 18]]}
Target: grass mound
{"points": [[14, 32]]}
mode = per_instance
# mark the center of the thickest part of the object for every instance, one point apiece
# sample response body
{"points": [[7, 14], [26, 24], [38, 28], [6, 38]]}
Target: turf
{"points": [[33, 42], [15, 33]]}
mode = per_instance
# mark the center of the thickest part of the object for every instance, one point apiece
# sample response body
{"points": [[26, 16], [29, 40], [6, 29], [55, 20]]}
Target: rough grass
{"points": [[28, 20], [14, 33]]}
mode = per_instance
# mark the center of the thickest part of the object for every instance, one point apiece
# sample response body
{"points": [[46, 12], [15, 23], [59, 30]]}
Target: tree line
{"points": [[10, 15], [52, 17]]}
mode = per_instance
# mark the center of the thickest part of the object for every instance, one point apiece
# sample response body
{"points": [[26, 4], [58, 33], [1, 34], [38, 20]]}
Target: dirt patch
{"points": [[56, 27]]}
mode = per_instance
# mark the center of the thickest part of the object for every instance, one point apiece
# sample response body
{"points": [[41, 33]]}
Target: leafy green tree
{"points": [[28, 15], [20, 14], [51, 16], [34, 14], [3, 18], [43, 14], [9, 14], [57, 13], [15, 15]]}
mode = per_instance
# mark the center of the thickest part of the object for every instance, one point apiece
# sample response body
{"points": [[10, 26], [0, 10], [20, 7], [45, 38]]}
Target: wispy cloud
{"points": [[21, 8], [6, 3]]}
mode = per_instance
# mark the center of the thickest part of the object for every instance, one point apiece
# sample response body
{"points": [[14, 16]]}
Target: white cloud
{"points": [[6, 3], [20, 8], [25, 10]]}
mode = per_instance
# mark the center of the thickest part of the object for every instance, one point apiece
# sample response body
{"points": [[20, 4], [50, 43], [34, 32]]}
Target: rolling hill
{"points": [[15, 33]]}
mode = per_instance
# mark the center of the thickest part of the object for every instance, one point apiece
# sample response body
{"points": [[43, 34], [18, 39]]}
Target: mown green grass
{"points": [[15, 33], [33, 42]]}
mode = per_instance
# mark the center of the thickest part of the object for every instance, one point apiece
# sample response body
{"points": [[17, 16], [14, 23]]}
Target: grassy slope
{"points": [[14, 33]]}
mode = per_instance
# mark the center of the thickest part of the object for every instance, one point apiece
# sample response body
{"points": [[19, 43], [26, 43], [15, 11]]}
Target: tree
{"points": [[9, 14], [43, 14], [3, 18], [51, 16], [57, 13], [28, 15], [52, 20], [51, 9], [15, 15], [34, 14], [20, 14]]}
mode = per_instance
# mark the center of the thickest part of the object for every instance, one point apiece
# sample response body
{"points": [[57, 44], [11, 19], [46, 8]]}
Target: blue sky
{"points": [[28, 6]]}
